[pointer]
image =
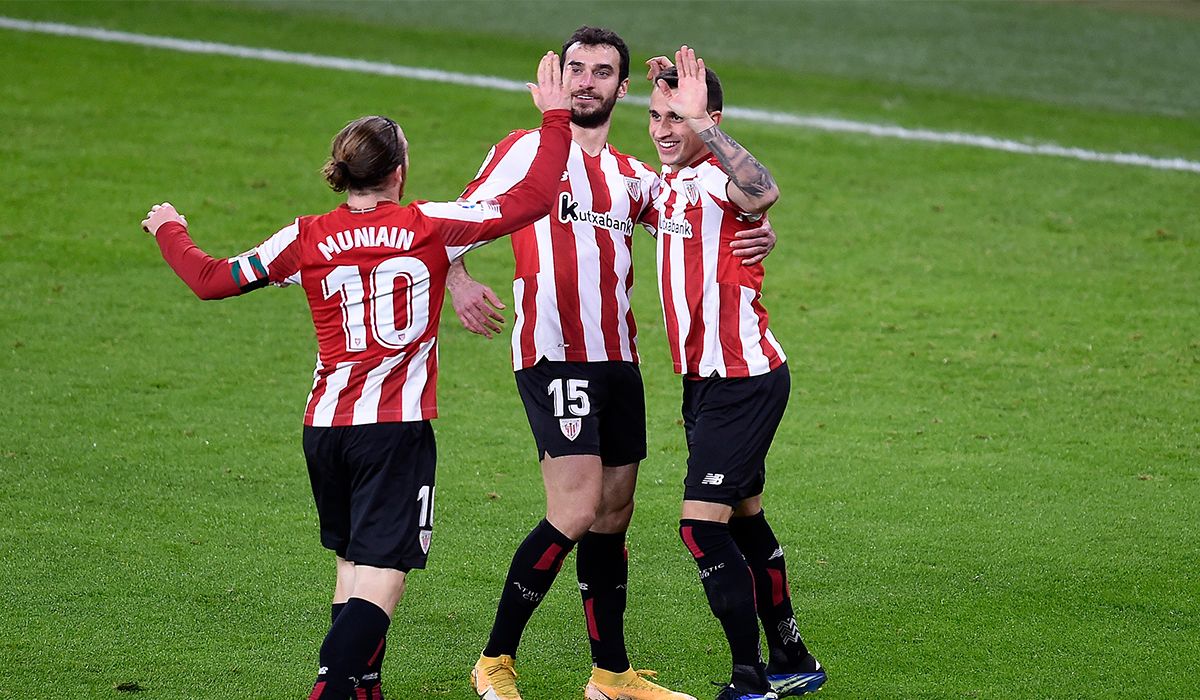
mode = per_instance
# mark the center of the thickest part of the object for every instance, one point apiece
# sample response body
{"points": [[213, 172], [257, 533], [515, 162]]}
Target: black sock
{"points": [[602, 565], [353, 645], [534, 566], [729, 588], [334, 611], [758, 544]]}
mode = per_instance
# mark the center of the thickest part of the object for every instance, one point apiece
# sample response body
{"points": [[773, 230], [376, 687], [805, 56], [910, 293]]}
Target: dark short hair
{"points": [[596, 36], [716, 95]]}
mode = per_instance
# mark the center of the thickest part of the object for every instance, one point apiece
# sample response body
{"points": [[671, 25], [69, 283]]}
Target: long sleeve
{"points": [[466, 223], [206, 276]]}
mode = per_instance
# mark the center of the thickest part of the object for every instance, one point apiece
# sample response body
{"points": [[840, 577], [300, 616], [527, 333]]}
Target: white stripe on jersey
{"points": [[366, 408], [270, 249], [325, 409], [516, 164], [756, 359], [711, 359], [418, 377]]}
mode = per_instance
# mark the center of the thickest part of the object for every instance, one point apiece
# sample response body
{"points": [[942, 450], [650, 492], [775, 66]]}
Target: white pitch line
{"points": [[494, 83]]}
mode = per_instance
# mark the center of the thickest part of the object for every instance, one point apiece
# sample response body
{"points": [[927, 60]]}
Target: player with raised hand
{"points": [[575, 358], [735, 376], [374, 272]]}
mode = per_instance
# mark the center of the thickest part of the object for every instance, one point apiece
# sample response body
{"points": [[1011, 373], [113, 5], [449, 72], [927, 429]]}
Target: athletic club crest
{"points": [[425, 537], [634, 187], [570, 427], [692, 191]]}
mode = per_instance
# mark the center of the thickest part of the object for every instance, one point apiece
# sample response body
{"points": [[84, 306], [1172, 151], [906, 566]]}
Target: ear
{"points": [[716, 116], [623, 88]]}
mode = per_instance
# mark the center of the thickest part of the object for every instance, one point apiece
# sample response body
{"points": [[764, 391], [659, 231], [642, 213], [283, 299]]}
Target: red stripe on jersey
{"points": [[729, 303], [548, 557], [689, 540], [609, 321], [528, 312]]}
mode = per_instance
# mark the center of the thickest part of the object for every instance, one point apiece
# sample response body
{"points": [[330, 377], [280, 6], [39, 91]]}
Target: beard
{"points": [[596, 117]]}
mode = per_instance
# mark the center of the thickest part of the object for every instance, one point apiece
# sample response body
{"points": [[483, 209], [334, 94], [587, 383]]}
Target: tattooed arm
{"points": [[751, 186]]}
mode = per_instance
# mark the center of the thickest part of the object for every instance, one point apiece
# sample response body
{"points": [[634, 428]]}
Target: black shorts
{"points": [[586, 408], [373, 485], [729, 424]]}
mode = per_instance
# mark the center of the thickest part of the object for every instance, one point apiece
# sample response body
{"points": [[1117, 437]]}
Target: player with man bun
{"points": [[374, 272]]}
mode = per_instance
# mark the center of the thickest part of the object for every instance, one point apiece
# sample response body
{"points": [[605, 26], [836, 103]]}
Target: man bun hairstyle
{"points": [[597, 36], [364, 154], [716, 95]]}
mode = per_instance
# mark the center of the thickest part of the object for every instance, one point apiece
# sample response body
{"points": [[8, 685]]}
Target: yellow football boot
{"points": [[629, 685], [494, 678]]}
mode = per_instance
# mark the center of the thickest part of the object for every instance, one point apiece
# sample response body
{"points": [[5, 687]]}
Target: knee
{"points": [[614, 517], [574, 520]]}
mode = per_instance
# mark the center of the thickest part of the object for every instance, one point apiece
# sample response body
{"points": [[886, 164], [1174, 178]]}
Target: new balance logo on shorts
{"points": [[712, 480]]}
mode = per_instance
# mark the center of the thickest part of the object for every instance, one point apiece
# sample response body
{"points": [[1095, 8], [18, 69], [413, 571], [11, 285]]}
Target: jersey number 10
{"points": [[393, 290]]}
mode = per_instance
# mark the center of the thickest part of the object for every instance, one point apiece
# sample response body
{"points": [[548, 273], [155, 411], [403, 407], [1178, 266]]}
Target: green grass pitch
{"points": [[987, 480]]}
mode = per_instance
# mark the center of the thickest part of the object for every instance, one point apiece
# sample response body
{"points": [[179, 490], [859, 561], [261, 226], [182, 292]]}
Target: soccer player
{"points": [[374, 273], [575, 356], [735, 376]]}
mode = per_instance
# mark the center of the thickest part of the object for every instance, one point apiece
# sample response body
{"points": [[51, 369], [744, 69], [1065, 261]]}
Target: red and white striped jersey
{"points": [[715, 322], [375, 281], [574, 268]]}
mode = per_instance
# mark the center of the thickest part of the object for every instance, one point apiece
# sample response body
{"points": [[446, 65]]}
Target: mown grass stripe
{"points": [[490, 82]]}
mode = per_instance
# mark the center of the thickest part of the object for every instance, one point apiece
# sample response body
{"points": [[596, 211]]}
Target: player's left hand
{"points": [[160, 214], [754, 244], [689, 99], [550, 91]]}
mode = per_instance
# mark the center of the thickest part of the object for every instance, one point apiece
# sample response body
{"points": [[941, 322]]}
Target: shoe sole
{"points": [[801, 688], [591, 692]]}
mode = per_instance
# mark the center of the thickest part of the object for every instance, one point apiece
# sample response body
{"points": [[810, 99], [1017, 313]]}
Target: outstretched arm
{"points": [[751, 186], [206, 276], [467, 223]]}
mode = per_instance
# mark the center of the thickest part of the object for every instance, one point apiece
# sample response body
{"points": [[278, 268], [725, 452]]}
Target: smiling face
{"points": [[677, 144], [591, 73]]}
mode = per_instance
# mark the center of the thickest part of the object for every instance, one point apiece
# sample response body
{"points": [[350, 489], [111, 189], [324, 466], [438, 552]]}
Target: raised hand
{"points": [[550, 92], [160, 214], [690, 99]]}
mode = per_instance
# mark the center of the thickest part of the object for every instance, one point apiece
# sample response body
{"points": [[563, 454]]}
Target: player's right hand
{"points": [[550, 92], [477, 307], [160, 214]]}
